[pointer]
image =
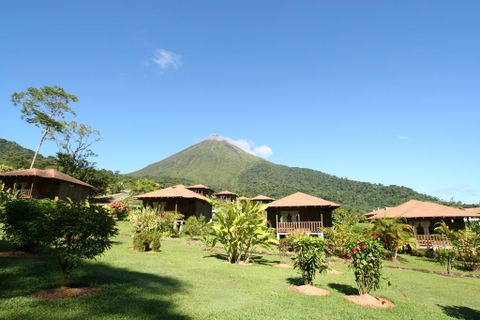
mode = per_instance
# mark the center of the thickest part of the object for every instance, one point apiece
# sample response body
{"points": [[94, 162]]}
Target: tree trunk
{"points": [[44, 135]]}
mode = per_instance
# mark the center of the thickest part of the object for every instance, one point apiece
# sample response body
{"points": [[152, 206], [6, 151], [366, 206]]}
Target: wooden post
{"points": [[31, 190], [321, 219], [176, 205]]}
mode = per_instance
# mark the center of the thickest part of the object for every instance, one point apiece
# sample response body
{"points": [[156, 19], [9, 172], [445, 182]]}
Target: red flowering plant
{"points": [[119, 210], [366, 262]]}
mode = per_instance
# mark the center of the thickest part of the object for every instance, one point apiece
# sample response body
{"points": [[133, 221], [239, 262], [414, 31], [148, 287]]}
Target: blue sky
{"points": [[379, 91]]}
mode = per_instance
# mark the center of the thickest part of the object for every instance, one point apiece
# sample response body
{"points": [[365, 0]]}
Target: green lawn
{"points": [[185, 282]]}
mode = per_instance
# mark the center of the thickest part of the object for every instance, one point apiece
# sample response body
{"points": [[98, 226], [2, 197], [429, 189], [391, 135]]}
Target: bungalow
{"points": [[226, 196], [262, 199], [178, 199], [302, 212], [201, 189], [423, 216], [49, 184]]}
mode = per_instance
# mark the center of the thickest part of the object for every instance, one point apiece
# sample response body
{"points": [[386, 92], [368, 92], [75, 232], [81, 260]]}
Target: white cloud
{"points": [[167, 59], [263, 151]]}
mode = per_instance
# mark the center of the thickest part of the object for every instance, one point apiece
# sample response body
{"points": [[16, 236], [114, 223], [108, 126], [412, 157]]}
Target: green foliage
{"points": [[6, 196], [26, 223], [147, 241], [145, 220], [395, 234], [309, 257], [366, 255], [14, 156], [465, 244], [195, 227], [345, 216], [140, 186], [446, 257], [79, 231], [240, 226], [119, 210]]}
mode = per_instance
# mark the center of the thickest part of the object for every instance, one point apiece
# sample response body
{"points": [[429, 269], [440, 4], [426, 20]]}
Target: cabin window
{"points": [[289, 216]]}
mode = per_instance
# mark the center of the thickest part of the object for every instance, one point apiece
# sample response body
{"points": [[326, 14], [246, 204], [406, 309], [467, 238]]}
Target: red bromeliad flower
{"points": [[354, 250], [375, 236], [362, 246]]}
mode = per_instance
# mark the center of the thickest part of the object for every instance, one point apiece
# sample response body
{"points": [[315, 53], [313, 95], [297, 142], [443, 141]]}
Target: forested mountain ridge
{"points": [[14, 155], [222, 165]]}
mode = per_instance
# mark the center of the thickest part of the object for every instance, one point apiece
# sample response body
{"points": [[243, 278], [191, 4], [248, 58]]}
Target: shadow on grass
{"points": [[124, 294], [256, 259], [343, 288], [295, 281], [461, 312]]}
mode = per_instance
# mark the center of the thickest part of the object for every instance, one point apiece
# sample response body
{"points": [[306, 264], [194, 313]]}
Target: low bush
{"points": [[147, 241], [194, 227], [26, 223], [446, 257], [309, 257], [119, 210], [366, 263]]}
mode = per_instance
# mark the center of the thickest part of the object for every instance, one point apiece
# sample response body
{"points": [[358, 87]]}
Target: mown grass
{"points": [[186, 282]]}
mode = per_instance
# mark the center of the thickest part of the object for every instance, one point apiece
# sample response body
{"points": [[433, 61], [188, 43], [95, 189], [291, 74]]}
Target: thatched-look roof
{"points": [[262, 198], [300, 199], [172, 192], [421, 209], [46, 174]]}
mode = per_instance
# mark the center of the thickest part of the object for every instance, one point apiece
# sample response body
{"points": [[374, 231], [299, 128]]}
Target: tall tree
{"points": [[76, 140], [45, 108]]}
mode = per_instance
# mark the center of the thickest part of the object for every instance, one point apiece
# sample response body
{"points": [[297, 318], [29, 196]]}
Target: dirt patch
{"points": [[309, 290], [283, 266], [243, 263], [334, 272], [65, 292], [16, 254], [367, 300]]}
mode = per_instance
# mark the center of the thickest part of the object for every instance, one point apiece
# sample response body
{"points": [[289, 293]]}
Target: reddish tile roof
{"points": [[300, 199], [46, 174], [172, 192], [420, 209], [473, 210], [199, 186], [262, 198]]}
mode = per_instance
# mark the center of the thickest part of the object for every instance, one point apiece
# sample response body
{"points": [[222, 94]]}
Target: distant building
{"points": [[201, 189], [424, 215], [301, 212], [46, 184], [178, 199], [262, 199], [226, 196]]}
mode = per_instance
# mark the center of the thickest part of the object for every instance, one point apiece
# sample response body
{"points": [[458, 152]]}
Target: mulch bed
{"points": [[65, 293], [367, 300], [453, 274], [309, 290]]}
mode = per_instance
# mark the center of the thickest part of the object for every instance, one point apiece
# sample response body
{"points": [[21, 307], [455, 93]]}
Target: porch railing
{"points": [[24, 193], [432, 240], [305, 226]]}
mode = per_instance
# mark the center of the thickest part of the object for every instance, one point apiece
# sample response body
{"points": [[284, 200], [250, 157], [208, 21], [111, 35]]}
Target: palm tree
{"points": [[394, 233]]}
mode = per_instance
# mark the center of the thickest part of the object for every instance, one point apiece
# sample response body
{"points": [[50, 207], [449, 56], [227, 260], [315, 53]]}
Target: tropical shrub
{"points": [[465, 244], [6, 195], [194, 227], [309, 257], [26, 222], [147, 241], [79, 231], [446, 257], [395, 234], [240, 226], [168, 224], [366, 262], [119, 210]]}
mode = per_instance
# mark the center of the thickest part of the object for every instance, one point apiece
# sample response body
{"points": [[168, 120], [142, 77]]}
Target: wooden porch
{"points": [[432, 241], [309, 227]]}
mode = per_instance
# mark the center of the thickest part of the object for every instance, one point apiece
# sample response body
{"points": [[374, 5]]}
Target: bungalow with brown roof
{"points": [[226, 195], [46, 184], [302, 212], [201, 189], [178, 199], [424, 215], [262, 199]]}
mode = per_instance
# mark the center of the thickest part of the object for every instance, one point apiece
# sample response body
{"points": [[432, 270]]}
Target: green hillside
{"points": [[224, 166], [18, 157]]}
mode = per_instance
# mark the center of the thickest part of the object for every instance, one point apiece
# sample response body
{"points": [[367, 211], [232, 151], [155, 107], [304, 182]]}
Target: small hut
{"points": [[226, 196], [202, 189], [46, 184], [301, 212], [262, 199], [424, 215], [178, 199]]}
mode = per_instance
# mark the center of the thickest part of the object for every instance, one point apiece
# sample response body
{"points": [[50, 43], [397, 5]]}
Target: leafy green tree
{"points": [[446, 257], [76, 140], [6, 196], [394, 233], [5, 168], [79, 231], [240, 226], [45, 108], [309, 257], [194, 227], [366, 263], [345, 216], [143, 185]]}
